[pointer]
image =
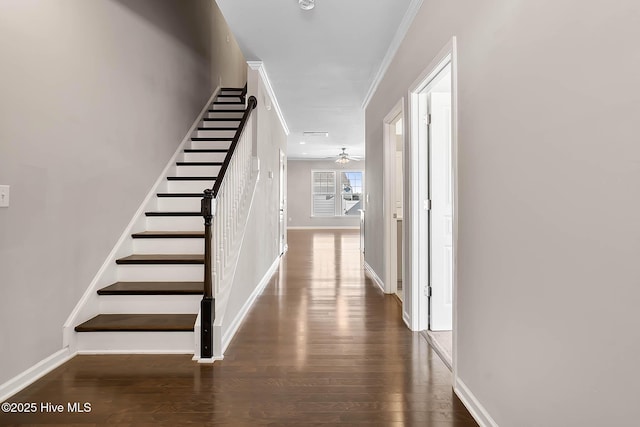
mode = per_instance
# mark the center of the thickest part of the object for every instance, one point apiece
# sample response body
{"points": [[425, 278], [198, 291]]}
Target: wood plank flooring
{"points": [[321, 346]]}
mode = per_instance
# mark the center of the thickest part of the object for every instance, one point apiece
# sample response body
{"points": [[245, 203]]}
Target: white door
{"points": [[441, 196], [283, 202]]}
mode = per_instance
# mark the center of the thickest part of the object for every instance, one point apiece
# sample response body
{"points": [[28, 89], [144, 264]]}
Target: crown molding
{"points": [[259, 67], [406, 22]]}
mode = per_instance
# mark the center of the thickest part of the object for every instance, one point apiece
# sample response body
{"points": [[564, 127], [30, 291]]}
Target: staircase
{"points": [[155, 301]]}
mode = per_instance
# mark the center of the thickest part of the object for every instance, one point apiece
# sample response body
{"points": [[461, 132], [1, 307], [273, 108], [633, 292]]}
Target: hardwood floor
{"points": [[322, 345]]}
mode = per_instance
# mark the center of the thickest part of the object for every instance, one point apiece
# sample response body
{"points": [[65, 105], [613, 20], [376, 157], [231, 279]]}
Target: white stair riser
{"points": [[204, 157], [181, 223], [149, 304], [224, 115], [168, 246], [229, 106], [212, 133], [197, 170], [132, 342], [161, 273], [229, 97], [210, 145], [179, 204], [188, 186], [221, 124]]}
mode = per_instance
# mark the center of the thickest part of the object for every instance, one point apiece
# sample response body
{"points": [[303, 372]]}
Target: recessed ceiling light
{"points": [[316, 133], [302, 142], [307, 4]]}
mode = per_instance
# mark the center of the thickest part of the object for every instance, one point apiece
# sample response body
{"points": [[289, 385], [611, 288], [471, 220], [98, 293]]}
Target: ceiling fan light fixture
{"points": [[342, 160], [306, 4]]}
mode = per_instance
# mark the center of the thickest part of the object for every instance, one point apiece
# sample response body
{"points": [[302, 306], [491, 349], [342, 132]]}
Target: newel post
{"points": [[207, 306]]}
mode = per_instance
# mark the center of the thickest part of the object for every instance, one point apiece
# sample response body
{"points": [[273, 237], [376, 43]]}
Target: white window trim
{"points": [[337, 191]]}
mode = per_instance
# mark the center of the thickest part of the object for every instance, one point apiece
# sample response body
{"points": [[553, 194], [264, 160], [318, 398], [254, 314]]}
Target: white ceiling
{"points": [[321, 62]]}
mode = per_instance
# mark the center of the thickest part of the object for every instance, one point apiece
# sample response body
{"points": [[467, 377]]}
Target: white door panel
{"points": [[441, 215]]}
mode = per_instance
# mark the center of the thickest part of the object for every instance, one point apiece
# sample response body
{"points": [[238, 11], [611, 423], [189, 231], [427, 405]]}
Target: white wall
{"points": [[549, 195], [299, 195], [96, 96]]}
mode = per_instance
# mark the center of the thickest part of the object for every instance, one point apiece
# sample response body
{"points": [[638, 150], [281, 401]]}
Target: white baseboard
{"points": [[374, 276], [237, 321], [34, 373], [472, 404], [325, 227]]}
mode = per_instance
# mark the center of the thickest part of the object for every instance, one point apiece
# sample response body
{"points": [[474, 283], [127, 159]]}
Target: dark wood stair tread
{"points": [[169, 235], [227, 111], [219, 128], [199, 163], [222, 119], [161, 259], [192, 178], [205, 150], [228, 102], [153, 288], [211, 139], [165, 195], [139, 323], [161, 213]]}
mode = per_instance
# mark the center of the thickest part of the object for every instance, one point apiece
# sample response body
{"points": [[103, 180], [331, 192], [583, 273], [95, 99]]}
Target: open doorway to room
{"points": [[433, 138], [282, 225], [394, 194]]}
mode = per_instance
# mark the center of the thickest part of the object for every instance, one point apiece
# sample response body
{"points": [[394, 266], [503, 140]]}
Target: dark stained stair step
{"points": [[153, 288], [228, 102], [139, 323], [169, 235], [161, 259], [192, 178], [227, 111], [222, 119], [157, 213], [199, 163], [211, 139], [205, 150], [180, 195], [219, 128]]}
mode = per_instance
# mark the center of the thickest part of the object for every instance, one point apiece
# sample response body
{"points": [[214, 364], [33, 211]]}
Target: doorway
{"points": [[433, 173], [283, 203], [394, 199]]}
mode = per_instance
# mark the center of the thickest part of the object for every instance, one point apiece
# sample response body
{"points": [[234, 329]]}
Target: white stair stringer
{"points": [[91, 304]]}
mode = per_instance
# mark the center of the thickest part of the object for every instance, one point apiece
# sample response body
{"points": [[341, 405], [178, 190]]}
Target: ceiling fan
{"points": [[344, 157]]}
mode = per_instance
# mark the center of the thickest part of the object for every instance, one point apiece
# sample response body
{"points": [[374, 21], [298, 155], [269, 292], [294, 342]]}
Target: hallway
{"points": [[322, 345]]}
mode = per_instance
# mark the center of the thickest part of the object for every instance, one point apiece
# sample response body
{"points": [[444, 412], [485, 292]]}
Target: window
{"points": [[351, 193], [331, 186], [324, 193]]}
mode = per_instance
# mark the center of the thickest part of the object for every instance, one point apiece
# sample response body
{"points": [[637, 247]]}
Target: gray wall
{"points": [[228, 67], [549, 195], [299, 195], [96, 96], [260, 246]]}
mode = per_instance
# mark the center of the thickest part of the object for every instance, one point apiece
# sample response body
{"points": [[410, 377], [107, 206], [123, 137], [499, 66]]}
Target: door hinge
{"points": [[429, 119], [427, 205], [428, 291]]}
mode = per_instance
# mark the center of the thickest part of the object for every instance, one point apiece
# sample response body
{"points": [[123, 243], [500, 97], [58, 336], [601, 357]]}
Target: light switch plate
{"points": [[4, 196]]}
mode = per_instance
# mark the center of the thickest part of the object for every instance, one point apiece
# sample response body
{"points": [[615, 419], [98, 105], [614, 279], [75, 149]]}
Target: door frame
{"points": [[389, 177], [418, 194], [282, 225]]}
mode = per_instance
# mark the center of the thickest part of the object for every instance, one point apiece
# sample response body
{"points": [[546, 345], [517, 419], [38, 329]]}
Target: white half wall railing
{"points": [[223, 209]]}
